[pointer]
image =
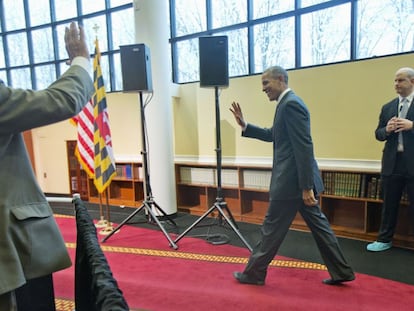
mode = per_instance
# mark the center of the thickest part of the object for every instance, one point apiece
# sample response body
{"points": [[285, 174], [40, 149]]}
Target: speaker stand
{"points": [[148, 204], [220, 205]]}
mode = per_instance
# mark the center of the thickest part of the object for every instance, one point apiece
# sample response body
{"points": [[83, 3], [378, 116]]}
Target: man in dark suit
{"points": [[31, 245], [295, 183], [395, 127]]}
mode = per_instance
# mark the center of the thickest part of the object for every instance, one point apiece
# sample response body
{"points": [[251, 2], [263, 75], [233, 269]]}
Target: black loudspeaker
{"points": [[214, 68], [136, 68]]}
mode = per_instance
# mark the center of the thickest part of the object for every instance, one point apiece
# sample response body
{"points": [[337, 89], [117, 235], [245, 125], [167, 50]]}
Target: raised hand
{"points": [[238, 114], [75, 42]]}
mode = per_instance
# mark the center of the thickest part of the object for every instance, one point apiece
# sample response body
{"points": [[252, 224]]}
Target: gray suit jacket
{"points": [[294, 166], [30, 242]]}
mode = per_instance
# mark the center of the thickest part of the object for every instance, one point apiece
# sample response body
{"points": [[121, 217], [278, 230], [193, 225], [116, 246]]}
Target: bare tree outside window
{"points": [[262, 8], [274, 44], [191, 16], [122, 32], [89, 6], [384, 27], [43, 38], [2, 62], [21, 77], [228, 12], [187, 60], [39, 11], [65, 9], [45, 75], [326, 36], [306, 3], [17, 44], [14, 9], [95, 28], [238, 52]]}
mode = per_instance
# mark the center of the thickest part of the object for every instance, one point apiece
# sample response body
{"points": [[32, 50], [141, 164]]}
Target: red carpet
{"points": [[198, 276]]}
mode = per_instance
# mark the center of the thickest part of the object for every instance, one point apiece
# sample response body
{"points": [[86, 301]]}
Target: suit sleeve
{"points": [[380, 132], [21, 110], [253, 131]]}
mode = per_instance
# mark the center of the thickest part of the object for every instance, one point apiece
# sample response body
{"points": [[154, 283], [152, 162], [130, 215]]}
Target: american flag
{"points": [[85, 146]]}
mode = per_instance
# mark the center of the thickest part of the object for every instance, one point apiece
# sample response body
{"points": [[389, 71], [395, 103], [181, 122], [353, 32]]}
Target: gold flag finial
{"points": [[96, 28]]}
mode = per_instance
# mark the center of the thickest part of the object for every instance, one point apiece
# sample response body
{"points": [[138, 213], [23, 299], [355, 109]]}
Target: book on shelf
{"points": [[374, 188], [128, 171], [229, 177], [362, 187], [74, 183], [185, 174], [351, 184], [135, 172], [124, 171], [198, 176], [256, 179]]}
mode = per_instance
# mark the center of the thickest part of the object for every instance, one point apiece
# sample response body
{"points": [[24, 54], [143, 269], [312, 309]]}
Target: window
{"points": [[191, 17], [274, 42], [290, 33], [384, 27], [32, 45], [228, 12], [263, 8], [325, 35]]}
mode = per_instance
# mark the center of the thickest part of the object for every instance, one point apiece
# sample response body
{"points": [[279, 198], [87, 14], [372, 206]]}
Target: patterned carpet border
{"points": [[203, 257], [200, 257], [69, 305]]}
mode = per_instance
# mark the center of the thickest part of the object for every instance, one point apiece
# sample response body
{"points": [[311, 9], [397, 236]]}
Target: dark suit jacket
{"points": [[31, 245], [389, 152], [294, 166], [95, 287]]}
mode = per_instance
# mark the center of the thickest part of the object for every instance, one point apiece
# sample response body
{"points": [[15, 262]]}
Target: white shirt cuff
{"points": [[84, 63]]}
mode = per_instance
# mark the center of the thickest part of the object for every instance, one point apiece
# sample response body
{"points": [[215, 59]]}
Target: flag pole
{"points": [[108, 226], [103, 172], [102, 223]]}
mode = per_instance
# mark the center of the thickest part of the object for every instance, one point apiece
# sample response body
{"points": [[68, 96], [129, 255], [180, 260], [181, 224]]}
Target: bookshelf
{"points": [[78, 179], [125, 189], [352, 199]]}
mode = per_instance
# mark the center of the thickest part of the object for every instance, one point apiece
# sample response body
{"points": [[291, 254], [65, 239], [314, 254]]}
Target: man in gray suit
{"points": [[295, 183], [31, 244]]}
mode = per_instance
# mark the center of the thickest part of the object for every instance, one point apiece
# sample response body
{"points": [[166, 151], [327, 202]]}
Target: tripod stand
{"points": [[148, 204], [220, 205]]}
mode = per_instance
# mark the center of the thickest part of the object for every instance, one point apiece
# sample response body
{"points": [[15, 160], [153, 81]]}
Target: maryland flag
{"points": [[103, 154], [94, 147]]}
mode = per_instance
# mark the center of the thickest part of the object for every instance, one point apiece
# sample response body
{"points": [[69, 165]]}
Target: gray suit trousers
{"points": [[275, 227]]}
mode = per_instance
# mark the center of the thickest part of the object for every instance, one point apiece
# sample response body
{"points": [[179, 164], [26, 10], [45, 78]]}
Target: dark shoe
{"points": [[337, 282], [244, 279]]}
